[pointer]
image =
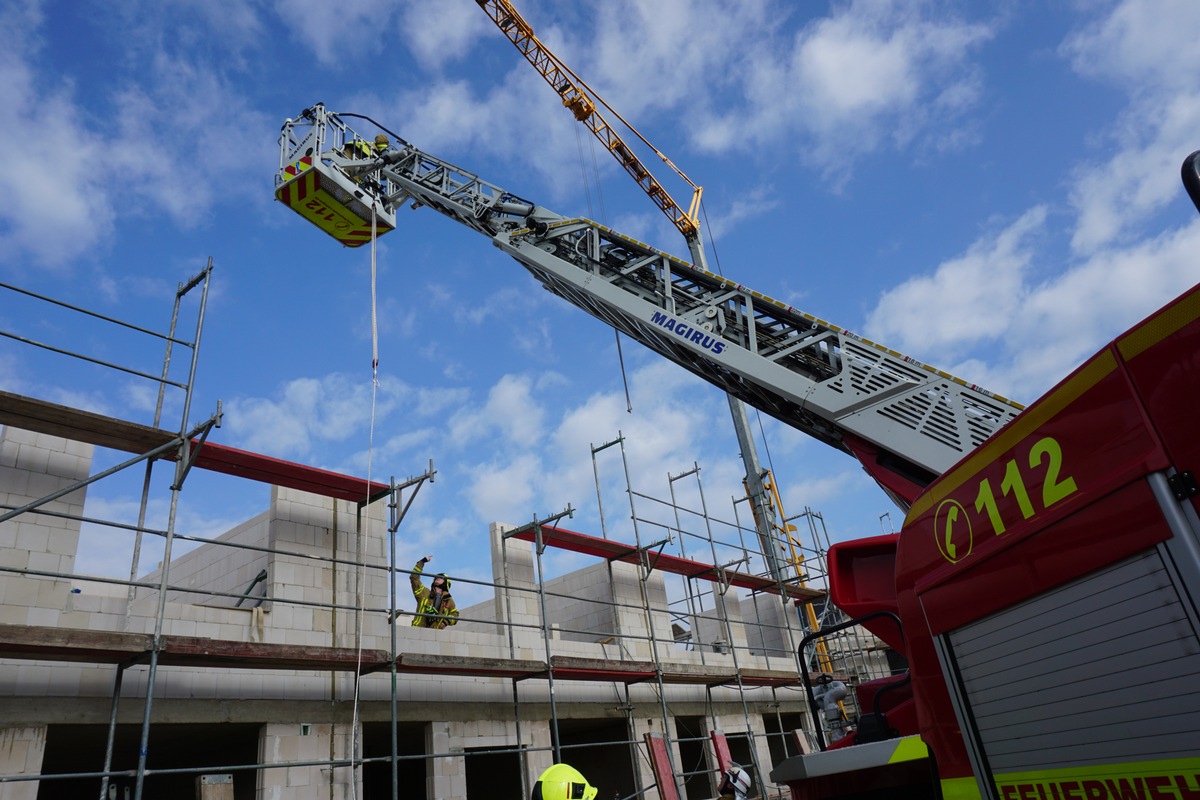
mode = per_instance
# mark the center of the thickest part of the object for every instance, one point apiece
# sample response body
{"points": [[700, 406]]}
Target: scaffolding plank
{"points": [[770, 677], [600, 669], [704, 675], [277, 472], [77, 425], [434, 664], [617, 551], [191, 651], [29, 642]]}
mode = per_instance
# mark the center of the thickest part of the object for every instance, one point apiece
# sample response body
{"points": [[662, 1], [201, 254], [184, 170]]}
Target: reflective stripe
{"points": [[1174, 779], [960, 789], [910, 748]]}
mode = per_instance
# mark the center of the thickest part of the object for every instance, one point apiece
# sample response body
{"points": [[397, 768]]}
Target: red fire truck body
{"points": [[1047, 589]]}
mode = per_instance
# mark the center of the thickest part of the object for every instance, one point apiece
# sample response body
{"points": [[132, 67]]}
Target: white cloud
{"points": [[986, 317], [1063, 320], [309, 411], [436, 33], [966, 300], [674, 41], [871, 75], [748, 205], [134, 149], [53, 168], [1148, 48], [334, 29], [506, 489], [511, 410], [1141, 43]]}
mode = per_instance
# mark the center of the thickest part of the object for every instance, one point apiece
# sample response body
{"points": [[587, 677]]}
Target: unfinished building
{"points": [[272, 662]]}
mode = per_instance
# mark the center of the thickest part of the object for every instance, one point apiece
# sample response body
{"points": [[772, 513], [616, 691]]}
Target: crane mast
{"points": [[905, 421]]}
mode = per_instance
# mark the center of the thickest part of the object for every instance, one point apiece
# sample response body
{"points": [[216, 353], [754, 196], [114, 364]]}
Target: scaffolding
{"points": [[645, 665]]}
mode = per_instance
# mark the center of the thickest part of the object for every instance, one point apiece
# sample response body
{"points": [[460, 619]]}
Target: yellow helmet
{"points": [[562, 782]]}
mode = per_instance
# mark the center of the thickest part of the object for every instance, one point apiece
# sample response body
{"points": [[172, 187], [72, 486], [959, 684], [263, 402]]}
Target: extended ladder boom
{"points": [[905, 421]]}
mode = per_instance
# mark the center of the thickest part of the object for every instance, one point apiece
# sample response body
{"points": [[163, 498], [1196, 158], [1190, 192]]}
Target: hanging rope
{"points": [[624, 379], [356, 748], [712, 241], [374, 320]]}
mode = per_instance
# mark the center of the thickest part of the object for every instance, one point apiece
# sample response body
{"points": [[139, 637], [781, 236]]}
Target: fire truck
{"points": [[1044, 585]]}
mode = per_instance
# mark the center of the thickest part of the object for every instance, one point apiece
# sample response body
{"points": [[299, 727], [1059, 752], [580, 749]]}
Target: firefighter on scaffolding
{"points": [[435, 606]]}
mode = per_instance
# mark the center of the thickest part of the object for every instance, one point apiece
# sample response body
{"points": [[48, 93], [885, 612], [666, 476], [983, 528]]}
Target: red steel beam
{"points": [[617, 551]]}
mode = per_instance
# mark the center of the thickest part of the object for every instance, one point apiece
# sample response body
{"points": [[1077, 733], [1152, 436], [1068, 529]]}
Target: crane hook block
{"points": [[332, 201]]}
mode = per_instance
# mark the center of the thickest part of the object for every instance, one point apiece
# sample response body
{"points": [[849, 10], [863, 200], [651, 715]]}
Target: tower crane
{"points": [[771, 524]]}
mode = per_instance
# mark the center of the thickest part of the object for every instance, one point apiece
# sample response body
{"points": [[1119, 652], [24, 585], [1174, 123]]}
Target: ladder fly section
{"points": [[905, 420]]}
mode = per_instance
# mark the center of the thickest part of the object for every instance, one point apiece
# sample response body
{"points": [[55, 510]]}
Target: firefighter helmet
{"points": [[735, 781], [562, 782]]}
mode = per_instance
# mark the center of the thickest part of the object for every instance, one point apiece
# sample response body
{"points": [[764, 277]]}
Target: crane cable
{"points": [[583, 172]]}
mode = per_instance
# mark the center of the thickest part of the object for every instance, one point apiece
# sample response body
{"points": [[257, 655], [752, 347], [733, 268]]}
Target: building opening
{"points": [[602, 751], [410, 771], [493, 773], [71, 749]]}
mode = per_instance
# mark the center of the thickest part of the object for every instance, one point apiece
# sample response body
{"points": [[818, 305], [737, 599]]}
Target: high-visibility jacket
{"points": [[425, 606]]}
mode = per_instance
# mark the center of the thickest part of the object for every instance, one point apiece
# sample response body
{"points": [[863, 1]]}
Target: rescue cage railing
{"points": [[165, 589]]}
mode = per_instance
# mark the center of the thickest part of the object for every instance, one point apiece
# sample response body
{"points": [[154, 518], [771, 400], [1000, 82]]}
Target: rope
{"points": [[355, 756], [624, 379]]}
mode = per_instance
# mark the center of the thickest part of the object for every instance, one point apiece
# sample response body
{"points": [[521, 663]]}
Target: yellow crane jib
{"points": [[582, 101], [329, 175]]}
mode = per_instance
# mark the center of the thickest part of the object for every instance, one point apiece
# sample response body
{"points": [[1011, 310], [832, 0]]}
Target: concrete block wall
{"points": [[217, 568], [290, 743], [772, 628], [645, 777], [311, 525], [21, 751], [446, 775], [733, 725], [540, 757], [512, 572], [580, 605], [709, 627], [32, 466], [632, 621]]}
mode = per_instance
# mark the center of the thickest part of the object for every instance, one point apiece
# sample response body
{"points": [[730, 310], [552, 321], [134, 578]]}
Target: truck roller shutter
{"points": [[1102, 670]]}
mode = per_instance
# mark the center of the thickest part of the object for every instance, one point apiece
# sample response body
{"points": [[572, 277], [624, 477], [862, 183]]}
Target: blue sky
{"points": [[990, 188]]}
